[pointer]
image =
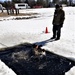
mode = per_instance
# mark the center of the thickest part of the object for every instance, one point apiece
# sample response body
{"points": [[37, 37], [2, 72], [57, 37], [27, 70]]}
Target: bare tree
{"points": [[64, 1], [16, 1], [31, 3], [45, 3], [56, 1]]}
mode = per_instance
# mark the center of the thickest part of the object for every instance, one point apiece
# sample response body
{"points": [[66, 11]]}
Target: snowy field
{"points": [[13, 32]]}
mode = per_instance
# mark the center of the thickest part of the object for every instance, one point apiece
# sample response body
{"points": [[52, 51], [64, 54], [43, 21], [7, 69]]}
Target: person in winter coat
{"points": [[58, 20], [38, 51]]}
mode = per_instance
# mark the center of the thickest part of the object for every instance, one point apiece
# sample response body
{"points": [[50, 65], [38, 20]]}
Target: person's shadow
{"points": [[42, 43]]}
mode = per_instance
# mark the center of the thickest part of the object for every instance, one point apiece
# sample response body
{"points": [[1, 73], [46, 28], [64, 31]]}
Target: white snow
{"points": [[71, 71], [4, 70], [14, 32]]}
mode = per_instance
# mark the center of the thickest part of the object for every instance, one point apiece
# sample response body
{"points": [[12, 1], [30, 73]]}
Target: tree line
{"points": [[44, 3]]}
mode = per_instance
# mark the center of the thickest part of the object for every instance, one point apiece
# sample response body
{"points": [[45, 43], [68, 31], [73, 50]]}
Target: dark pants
{"points": [[8, 11], [57, 31], [12, 11], [17, 11]]}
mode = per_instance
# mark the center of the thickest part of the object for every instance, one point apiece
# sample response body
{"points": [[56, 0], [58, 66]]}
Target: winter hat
{"points": [[57, 6]]}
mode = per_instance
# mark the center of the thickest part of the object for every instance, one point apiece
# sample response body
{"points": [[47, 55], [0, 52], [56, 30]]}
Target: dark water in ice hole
{"points": [[21, 59]]}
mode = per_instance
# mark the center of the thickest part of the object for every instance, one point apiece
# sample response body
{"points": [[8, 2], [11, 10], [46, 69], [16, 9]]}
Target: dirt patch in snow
{"points": [[20, 14]]}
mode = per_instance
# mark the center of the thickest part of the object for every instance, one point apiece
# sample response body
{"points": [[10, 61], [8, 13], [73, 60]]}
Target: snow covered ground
{"points": [[14, 32], [71, 71], [4, 70]]}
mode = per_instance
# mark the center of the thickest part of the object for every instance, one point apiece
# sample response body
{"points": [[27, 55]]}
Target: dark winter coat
{"points": [[59, 17]]}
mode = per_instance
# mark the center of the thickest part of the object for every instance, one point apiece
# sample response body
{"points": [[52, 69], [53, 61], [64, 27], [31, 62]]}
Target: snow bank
{"points": [[71, 71], [5, 70]]}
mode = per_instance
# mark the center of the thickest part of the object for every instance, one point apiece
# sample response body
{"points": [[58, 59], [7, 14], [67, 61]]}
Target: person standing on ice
{"points": [[58, 20]]}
